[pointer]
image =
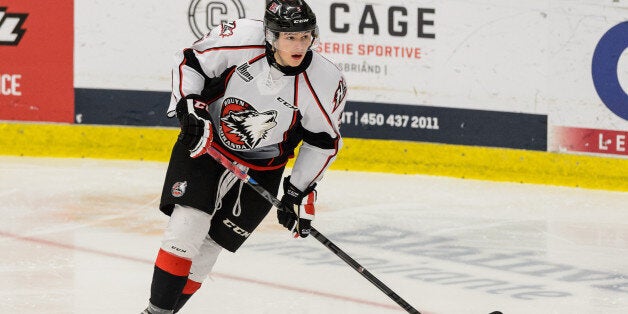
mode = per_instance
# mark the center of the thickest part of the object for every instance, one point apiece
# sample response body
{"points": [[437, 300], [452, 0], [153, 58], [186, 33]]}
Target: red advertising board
{"points": [[590, 140], [36, 60]]}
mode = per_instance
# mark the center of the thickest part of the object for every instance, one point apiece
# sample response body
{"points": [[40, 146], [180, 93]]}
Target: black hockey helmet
{"points": [[289, 16]]}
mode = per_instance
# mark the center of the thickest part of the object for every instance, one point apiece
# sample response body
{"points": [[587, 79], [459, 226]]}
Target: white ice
{"points": [[81, 235]]}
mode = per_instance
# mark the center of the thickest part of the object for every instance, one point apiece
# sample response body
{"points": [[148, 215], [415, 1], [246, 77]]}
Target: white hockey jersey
{"points": [[264, 114]]}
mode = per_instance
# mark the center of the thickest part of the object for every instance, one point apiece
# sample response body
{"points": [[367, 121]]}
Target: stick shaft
{"points": [[363, 271], [224, 161]]}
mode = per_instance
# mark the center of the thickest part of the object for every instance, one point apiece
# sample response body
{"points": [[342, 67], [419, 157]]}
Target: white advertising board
{"points": [[533, 57]]}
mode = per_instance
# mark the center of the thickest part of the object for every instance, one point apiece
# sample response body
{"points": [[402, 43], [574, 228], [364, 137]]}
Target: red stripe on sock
{"points": [[191, 287], [309, 204], [173, 264]]}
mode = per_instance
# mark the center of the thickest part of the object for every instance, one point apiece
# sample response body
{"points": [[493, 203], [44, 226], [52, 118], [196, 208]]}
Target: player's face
{"points": [[291, 48]]}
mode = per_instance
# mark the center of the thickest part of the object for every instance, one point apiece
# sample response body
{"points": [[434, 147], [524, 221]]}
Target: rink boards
{"points": [[404, 157]]}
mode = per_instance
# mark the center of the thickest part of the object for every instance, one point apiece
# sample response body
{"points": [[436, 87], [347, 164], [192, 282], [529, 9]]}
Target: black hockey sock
{"points": [[181, 302], [169, 279], [165, 289], [190, 288]]}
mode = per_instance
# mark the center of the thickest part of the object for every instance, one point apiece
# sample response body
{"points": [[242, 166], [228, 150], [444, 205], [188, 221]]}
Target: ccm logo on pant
{"points": [[235, 228]]}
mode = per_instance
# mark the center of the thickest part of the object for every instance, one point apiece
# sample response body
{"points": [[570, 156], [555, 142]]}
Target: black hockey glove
{"points": [[196, 129], [298, 209]]}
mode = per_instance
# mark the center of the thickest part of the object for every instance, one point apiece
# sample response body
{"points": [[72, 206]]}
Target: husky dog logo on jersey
{"points": [[243, 127]]}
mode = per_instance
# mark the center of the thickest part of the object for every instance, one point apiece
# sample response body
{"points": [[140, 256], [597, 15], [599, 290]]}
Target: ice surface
{"points": [[80, 236]]}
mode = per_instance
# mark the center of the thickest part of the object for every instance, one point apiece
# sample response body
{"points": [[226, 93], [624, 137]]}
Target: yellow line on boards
{"points": [[495, 164]]}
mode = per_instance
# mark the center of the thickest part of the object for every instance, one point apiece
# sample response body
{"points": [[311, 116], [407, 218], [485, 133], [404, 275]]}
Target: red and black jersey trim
{"points": [[191, 61], [321, 140], [260, 57], [292, 139], [231, 48], [209, 93], [255, 164]]}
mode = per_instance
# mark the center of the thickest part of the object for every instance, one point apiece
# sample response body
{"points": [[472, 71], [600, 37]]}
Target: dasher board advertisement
{"points": [[36, 60]]}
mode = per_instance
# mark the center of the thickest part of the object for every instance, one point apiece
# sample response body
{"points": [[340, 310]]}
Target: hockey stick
{"points": [[231, 166]]}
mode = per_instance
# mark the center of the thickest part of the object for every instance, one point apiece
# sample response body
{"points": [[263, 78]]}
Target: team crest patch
{"points": [[274, 7], [241, 126], [227, 29], [178, 189], [340, 94]]}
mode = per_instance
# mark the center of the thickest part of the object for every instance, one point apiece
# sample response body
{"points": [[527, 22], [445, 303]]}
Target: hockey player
{"points": [[253, 91]]}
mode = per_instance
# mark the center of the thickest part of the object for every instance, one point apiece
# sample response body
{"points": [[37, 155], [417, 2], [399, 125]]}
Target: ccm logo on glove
{"points": [[298, 209]]}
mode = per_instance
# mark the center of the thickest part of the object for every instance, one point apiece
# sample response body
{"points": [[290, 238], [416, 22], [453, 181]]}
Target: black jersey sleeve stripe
{"points": [[321, 140], [191, 61]]}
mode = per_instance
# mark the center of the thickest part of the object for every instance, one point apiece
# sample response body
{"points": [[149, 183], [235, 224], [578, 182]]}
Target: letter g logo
{"points": [[604, 69]]}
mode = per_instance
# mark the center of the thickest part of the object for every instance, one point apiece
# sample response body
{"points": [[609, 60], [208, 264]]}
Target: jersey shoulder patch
{"points": [[241, 32]]}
